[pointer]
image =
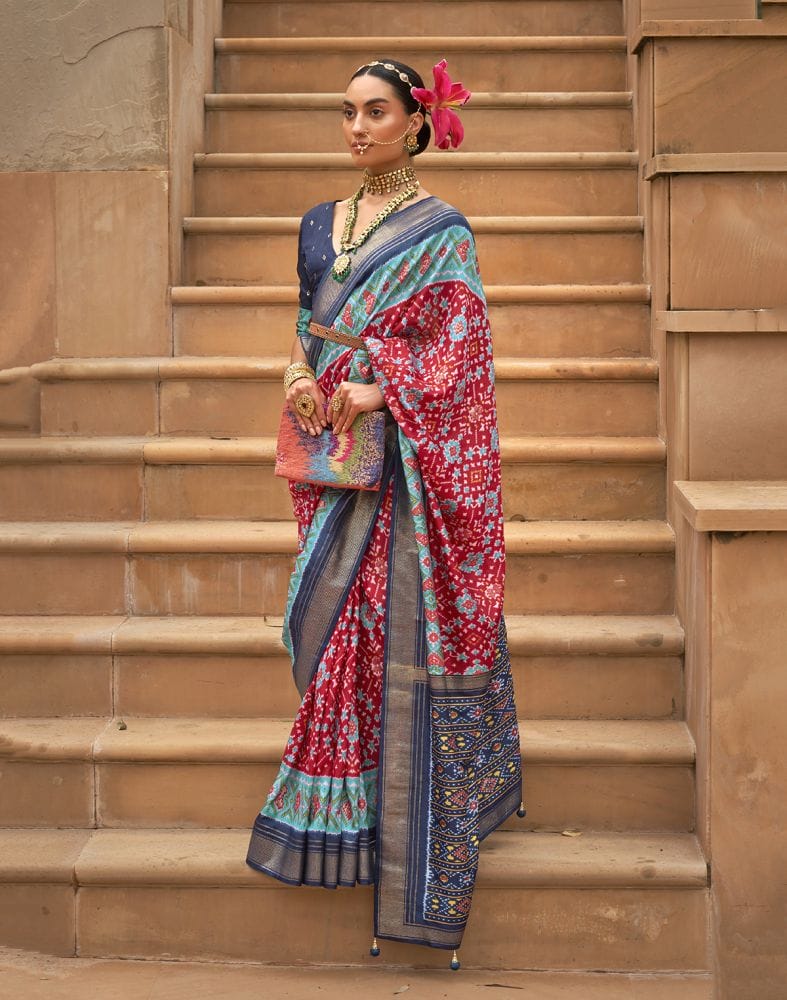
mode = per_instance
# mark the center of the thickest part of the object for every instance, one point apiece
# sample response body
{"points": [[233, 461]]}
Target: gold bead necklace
{"points": [[343, 263]]}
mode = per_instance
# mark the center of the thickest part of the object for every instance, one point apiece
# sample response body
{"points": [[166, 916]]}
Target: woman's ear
{"points": [[418, 119]]}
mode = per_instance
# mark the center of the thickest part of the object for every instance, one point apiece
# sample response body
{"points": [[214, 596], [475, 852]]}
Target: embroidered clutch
{"points": [[352, 460]]}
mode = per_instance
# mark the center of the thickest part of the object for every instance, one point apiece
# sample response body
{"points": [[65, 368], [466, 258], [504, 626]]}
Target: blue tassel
{"points": [[521, 811], [375, 949], [455, 962]]}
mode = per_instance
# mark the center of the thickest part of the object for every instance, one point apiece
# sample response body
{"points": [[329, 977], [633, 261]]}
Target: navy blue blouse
{"points": [[315, 249]]}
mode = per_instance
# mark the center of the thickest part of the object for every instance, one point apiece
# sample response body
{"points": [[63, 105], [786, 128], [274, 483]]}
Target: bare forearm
{"points": [[297, 353]]}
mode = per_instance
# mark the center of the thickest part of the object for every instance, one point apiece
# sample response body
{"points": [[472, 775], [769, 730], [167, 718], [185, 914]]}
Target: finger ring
{"points": [[337, 403], [304, 404]]}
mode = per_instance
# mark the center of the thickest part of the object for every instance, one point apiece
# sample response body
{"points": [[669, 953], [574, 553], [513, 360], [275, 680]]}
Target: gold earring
{"points": [[411, 143]]}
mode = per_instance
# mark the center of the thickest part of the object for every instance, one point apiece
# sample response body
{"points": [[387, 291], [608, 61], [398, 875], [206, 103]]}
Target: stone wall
{"points": [[712, 138], [101, 104]]}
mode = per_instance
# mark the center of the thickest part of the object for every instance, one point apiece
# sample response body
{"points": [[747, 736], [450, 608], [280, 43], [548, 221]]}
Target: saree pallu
{"points": [[404, 754]]}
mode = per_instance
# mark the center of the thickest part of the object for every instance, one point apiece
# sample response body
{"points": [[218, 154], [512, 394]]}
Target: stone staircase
{"points": [[146, 545]]}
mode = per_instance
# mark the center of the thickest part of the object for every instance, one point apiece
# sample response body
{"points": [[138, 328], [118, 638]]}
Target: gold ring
{"points": [[304, 404], [337, 403]]}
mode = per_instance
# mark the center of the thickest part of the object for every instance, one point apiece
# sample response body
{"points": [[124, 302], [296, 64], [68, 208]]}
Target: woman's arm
{"points": [[306, 386]]}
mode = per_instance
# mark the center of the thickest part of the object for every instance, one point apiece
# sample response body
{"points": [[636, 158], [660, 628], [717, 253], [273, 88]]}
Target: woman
{"points": [[404, 753]]}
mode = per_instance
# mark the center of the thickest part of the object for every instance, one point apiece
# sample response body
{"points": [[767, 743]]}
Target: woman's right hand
{"points": [[308, 387]]}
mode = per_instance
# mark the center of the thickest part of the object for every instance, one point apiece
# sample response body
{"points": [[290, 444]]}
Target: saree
{"points": [[404, 754]]}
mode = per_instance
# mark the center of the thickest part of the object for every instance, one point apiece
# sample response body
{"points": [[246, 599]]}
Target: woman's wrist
{"points": [[298, 370], [300, 378]]}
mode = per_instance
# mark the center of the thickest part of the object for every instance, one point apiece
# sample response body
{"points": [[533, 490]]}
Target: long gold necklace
{"points": [[343, 263]]}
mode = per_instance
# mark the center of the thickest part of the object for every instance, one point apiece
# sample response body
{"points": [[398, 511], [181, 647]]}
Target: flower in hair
{"points": [[448, 129]]}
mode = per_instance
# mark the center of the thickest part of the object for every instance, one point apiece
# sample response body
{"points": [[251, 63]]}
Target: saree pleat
{"points": [[404, 753]]}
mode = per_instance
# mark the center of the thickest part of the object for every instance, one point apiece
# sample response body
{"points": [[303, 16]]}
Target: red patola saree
{"points": [[404, 753]]}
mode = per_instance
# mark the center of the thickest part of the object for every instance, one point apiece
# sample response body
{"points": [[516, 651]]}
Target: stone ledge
{"points": [[280, 537], [40, 855], [425, 43], [189, 295], [733, 504], [270, 369], [436, 161], [283, 225], [550, 742], [25, 973], [507, 859], [770, 320], [528, 635], [713, 163], [705, 28], [481, 99]]}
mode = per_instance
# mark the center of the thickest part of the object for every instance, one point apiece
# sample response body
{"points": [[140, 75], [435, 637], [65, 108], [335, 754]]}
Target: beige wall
{"points": [[732, 599], [699, 9], [102, 108], [748, 747], [712, 138]]}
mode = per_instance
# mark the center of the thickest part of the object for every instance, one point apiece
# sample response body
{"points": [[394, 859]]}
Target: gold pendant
{"points": [[341, 266]]}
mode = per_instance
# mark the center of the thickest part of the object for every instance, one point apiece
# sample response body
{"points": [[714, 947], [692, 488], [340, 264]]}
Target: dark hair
{"points": [[402, 91]]}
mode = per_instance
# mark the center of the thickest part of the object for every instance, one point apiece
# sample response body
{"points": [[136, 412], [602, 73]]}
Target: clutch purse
{"points": [[350, 460]]}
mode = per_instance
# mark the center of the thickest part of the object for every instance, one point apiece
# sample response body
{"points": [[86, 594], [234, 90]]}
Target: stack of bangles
{"points": [[299, 369]]}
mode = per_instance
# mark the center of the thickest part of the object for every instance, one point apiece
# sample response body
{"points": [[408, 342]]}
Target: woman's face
{"points": [[373, 110]]}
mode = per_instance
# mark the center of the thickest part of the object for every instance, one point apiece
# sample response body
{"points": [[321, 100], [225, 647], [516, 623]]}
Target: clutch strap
{"points": [[328, 333]]}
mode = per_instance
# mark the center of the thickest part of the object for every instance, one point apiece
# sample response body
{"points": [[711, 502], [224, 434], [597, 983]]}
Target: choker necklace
{"points": [[343, 263], [386, 183]]}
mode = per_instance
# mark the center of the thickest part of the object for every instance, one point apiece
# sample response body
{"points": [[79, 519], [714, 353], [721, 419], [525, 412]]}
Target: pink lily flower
{"points": [[448, 129]]}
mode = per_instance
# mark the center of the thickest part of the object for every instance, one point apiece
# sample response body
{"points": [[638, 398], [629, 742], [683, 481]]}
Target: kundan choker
{"points": [[386, 183], [343, 263]]}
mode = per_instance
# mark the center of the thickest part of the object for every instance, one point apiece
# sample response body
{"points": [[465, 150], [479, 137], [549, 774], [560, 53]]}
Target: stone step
{"points": [[197, 772], [536, 183], [526, 320], [23, 971], [589, 250], [181, 478], [617, 901], [513, 121], [420, 17], [564, 666], [244, 567], [230, 397], [498, 63]]}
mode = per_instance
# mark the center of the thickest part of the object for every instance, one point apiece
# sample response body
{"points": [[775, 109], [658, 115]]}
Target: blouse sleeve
{"points": [[305, 288]]}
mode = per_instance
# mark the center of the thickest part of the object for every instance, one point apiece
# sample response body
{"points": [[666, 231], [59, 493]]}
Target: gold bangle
{"points": [[298, 369], [292, 379]]}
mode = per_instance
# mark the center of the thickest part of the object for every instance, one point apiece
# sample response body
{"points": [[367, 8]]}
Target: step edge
{"points": [[453, 43], [646, 635], [481, 99], [268, 368], [683, 866], [197, 450], [280, 537], [190, 295], [286, 225], [586, 160]]}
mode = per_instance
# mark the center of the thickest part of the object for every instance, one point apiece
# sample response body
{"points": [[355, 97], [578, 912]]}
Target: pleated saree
{"points": [[404, 753]]}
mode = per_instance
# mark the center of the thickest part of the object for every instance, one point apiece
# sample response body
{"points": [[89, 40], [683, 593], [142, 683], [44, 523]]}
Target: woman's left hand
{"points": [[358, 397]]}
